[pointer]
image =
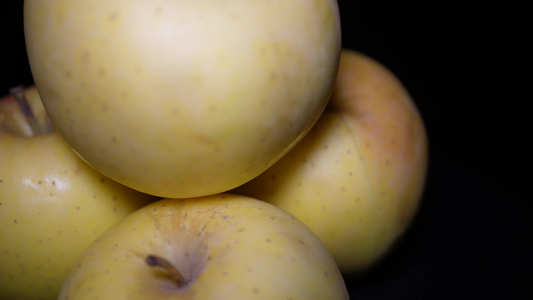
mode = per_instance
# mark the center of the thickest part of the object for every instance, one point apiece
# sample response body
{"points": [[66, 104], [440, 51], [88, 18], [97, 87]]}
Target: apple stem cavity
{"points": [[18, 94], [173, 272]]}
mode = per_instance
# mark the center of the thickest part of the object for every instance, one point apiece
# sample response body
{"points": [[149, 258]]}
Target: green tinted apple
{"points": [[183, 98]]}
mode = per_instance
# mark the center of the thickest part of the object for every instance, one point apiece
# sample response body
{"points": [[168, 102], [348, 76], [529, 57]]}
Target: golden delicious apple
{"points": [[52, 206], [216, 247], [183, 98], [357, 178]]}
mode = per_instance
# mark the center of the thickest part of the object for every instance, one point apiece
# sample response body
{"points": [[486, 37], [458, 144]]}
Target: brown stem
{"points": [[157, 261], [20, 98]]}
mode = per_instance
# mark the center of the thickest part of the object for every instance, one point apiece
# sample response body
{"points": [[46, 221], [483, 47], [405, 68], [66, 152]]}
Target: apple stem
{"points": [[157, 261], [20, 98]]}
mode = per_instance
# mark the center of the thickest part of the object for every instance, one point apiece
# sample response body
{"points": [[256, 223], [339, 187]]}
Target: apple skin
{"points": [[52, 206], [226, 246], [183, 98], [357, 178]]}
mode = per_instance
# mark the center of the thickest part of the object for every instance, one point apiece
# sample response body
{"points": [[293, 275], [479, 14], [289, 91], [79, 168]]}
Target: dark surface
{"points": [[461, 64]]}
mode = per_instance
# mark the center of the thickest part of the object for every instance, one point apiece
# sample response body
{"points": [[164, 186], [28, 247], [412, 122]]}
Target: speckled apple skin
{"points": [[357, 178], [226, 246], [183, 98], [52, 206]]}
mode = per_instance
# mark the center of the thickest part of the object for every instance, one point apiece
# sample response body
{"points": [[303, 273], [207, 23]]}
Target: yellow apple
{"points": [[183, 98], [357, 178], [216, 247], [52, 205]]}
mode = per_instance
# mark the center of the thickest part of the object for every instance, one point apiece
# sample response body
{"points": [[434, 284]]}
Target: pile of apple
{"points": [[200, 150]]}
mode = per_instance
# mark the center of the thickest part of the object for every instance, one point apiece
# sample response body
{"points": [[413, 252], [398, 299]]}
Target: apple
{"points": [[221, 246], [52, 204], [183, 98], [358, 177]]}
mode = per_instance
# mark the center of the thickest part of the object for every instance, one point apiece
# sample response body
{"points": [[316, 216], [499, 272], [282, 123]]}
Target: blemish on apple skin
{"points": [[113, 17]]}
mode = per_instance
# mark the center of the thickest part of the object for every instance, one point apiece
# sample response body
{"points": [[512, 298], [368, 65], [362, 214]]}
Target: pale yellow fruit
{"points": [[183, 98], [357, 178], [225, 246], [52, 206]]}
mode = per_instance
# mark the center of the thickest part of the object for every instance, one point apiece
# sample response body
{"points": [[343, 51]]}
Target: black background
{"points": [[465, 67]]}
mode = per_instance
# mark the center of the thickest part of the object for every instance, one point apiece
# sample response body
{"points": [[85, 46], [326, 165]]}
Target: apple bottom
{"points": [[225, 246]]}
